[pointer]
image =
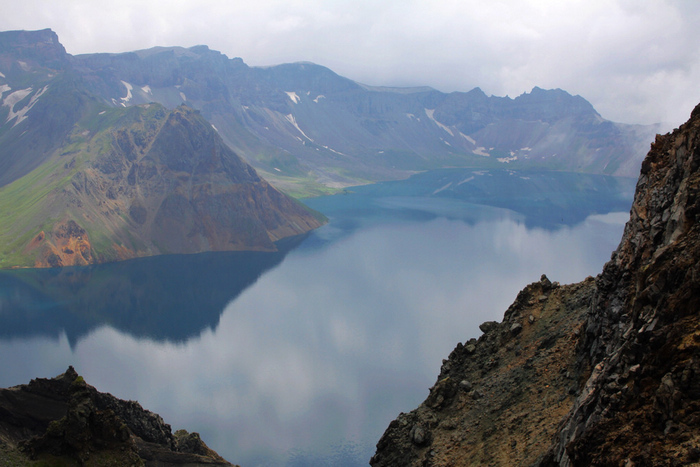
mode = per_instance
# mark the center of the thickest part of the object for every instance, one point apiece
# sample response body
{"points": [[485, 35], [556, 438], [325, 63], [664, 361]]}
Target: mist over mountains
{"points": [[111, 156], [303, 123]]}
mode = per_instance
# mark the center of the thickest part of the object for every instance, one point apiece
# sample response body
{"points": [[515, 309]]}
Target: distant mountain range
{"points": [[301, 122], [141, 149]]}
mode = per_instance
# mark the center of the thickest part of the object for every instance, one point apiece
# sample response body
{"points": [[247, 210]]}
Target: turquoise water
{"points": [[304, 356]]}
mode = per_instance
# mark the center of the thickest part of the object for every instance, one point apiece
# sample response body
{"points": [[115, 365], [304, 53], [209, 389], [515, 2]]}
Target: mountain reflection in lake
{"points": [[172, 297], [304, 359]]}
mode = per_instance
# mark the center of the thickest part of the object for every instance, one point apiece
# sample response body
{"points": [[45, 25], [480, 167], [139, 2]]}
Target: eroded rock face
{"points": [[643, 330], [604, 372], [498, 399], [158, 182], [64, 420], [68, 245]]}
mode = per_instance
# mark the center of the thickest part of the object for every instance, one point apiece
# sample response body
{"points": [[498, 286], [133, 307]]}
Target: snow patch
{"points": [[4, 88], [23, 65], [442, 189], [524, 178], [526, 149], [290, 118], [146, 89], [183, 96], [277, 169], [333, 150], [468, 138], [15, 97], [11, 100], [481, 151], [466, 180], [293, 96], [320, 96], [430, 113], [215, 129], [128, 93], [507, 160], [1, 75], [102, 113]]}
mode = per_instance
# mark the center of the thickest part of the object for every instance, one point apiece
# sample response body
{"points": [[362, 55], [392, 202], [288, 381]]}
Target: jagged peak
{"points": [[397, 90], [477, 92]]}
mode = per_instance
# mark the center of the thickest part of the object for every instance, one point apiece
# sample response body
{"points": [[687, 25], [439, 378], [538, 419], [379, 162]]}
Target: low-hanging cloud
{"points": [[637, 62]]}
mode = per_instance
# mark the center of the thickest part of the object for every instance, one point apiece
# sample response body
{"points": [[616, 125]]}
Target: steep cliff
{"points": [[604, 372], [65, 421]]}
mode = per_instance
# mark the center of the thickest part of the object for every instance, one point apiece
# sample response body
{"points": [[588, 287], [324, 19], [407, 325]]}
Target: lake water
{"points": [[304, 356]]}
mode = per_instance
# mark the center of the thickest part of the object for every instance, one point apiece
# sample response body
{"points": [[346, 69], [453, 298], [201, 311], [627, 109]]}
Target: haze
{"points": [[636, 62]]}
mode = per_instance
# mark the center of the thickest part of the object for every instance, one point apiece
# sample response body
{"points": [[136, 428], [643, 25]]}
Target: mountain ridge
{"points": [[309, 129]]}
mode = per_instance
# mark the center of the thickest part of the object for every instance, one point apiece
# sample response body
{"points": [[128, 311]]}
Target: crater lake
{"points": [[304, 356]]}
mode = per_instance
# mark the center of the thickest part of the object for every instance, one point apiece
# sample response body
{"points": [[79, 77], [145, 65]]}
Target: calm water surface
{"points": [[303, 357]]}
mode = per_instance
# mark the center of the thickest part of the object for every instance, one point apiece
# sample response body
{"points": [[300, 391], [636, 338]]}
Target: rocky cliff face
{"points": [[64, 421], [605, 372]]}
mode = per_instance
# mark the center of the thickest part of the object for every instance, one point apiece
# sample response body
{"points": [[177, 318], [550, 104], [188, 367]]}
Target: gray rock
{"points": [[418, 435], [516, 328], [488, 326]]}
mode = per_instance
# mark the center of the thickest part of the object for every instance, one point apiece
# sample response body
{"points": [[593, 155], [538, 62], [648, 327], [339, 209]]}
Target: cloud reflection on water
{"points": [[333, 344]]}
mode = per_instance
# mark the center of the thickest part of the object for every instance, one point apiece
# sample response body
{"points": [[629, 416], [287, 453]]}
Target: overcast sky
{"points": [[636, 61]]}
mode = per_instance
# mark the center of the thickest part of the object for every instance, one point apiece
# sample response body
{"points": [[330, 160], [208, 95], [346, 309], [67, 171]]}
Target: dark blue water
{"points": [[304, 356]]}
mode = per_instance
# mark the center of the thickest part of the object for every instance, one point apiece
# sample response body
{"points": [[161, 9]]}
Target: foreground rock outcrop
{"points": [[604, 372], [65, 421]]}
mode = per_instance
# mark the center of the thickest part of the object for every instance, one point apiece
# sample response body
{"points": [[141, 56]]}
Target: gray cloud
{"points": [[637, 62]]}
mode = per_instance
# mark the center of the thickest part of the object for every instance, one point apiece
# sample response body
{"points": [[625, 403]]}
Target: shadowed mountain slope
{"points": [[65, 421], [142, 181]]}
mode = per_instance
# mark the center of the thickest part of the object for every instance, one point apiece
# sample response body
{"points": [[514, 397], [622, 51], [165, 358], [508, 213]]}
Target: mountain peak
{"points": [[41, 46]]}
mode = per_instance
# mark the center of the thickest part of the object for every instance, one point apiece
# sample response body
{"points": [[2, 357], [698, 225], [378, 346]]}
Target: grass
{"points": [[298, 187], [23, 210], [26, 204]]}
